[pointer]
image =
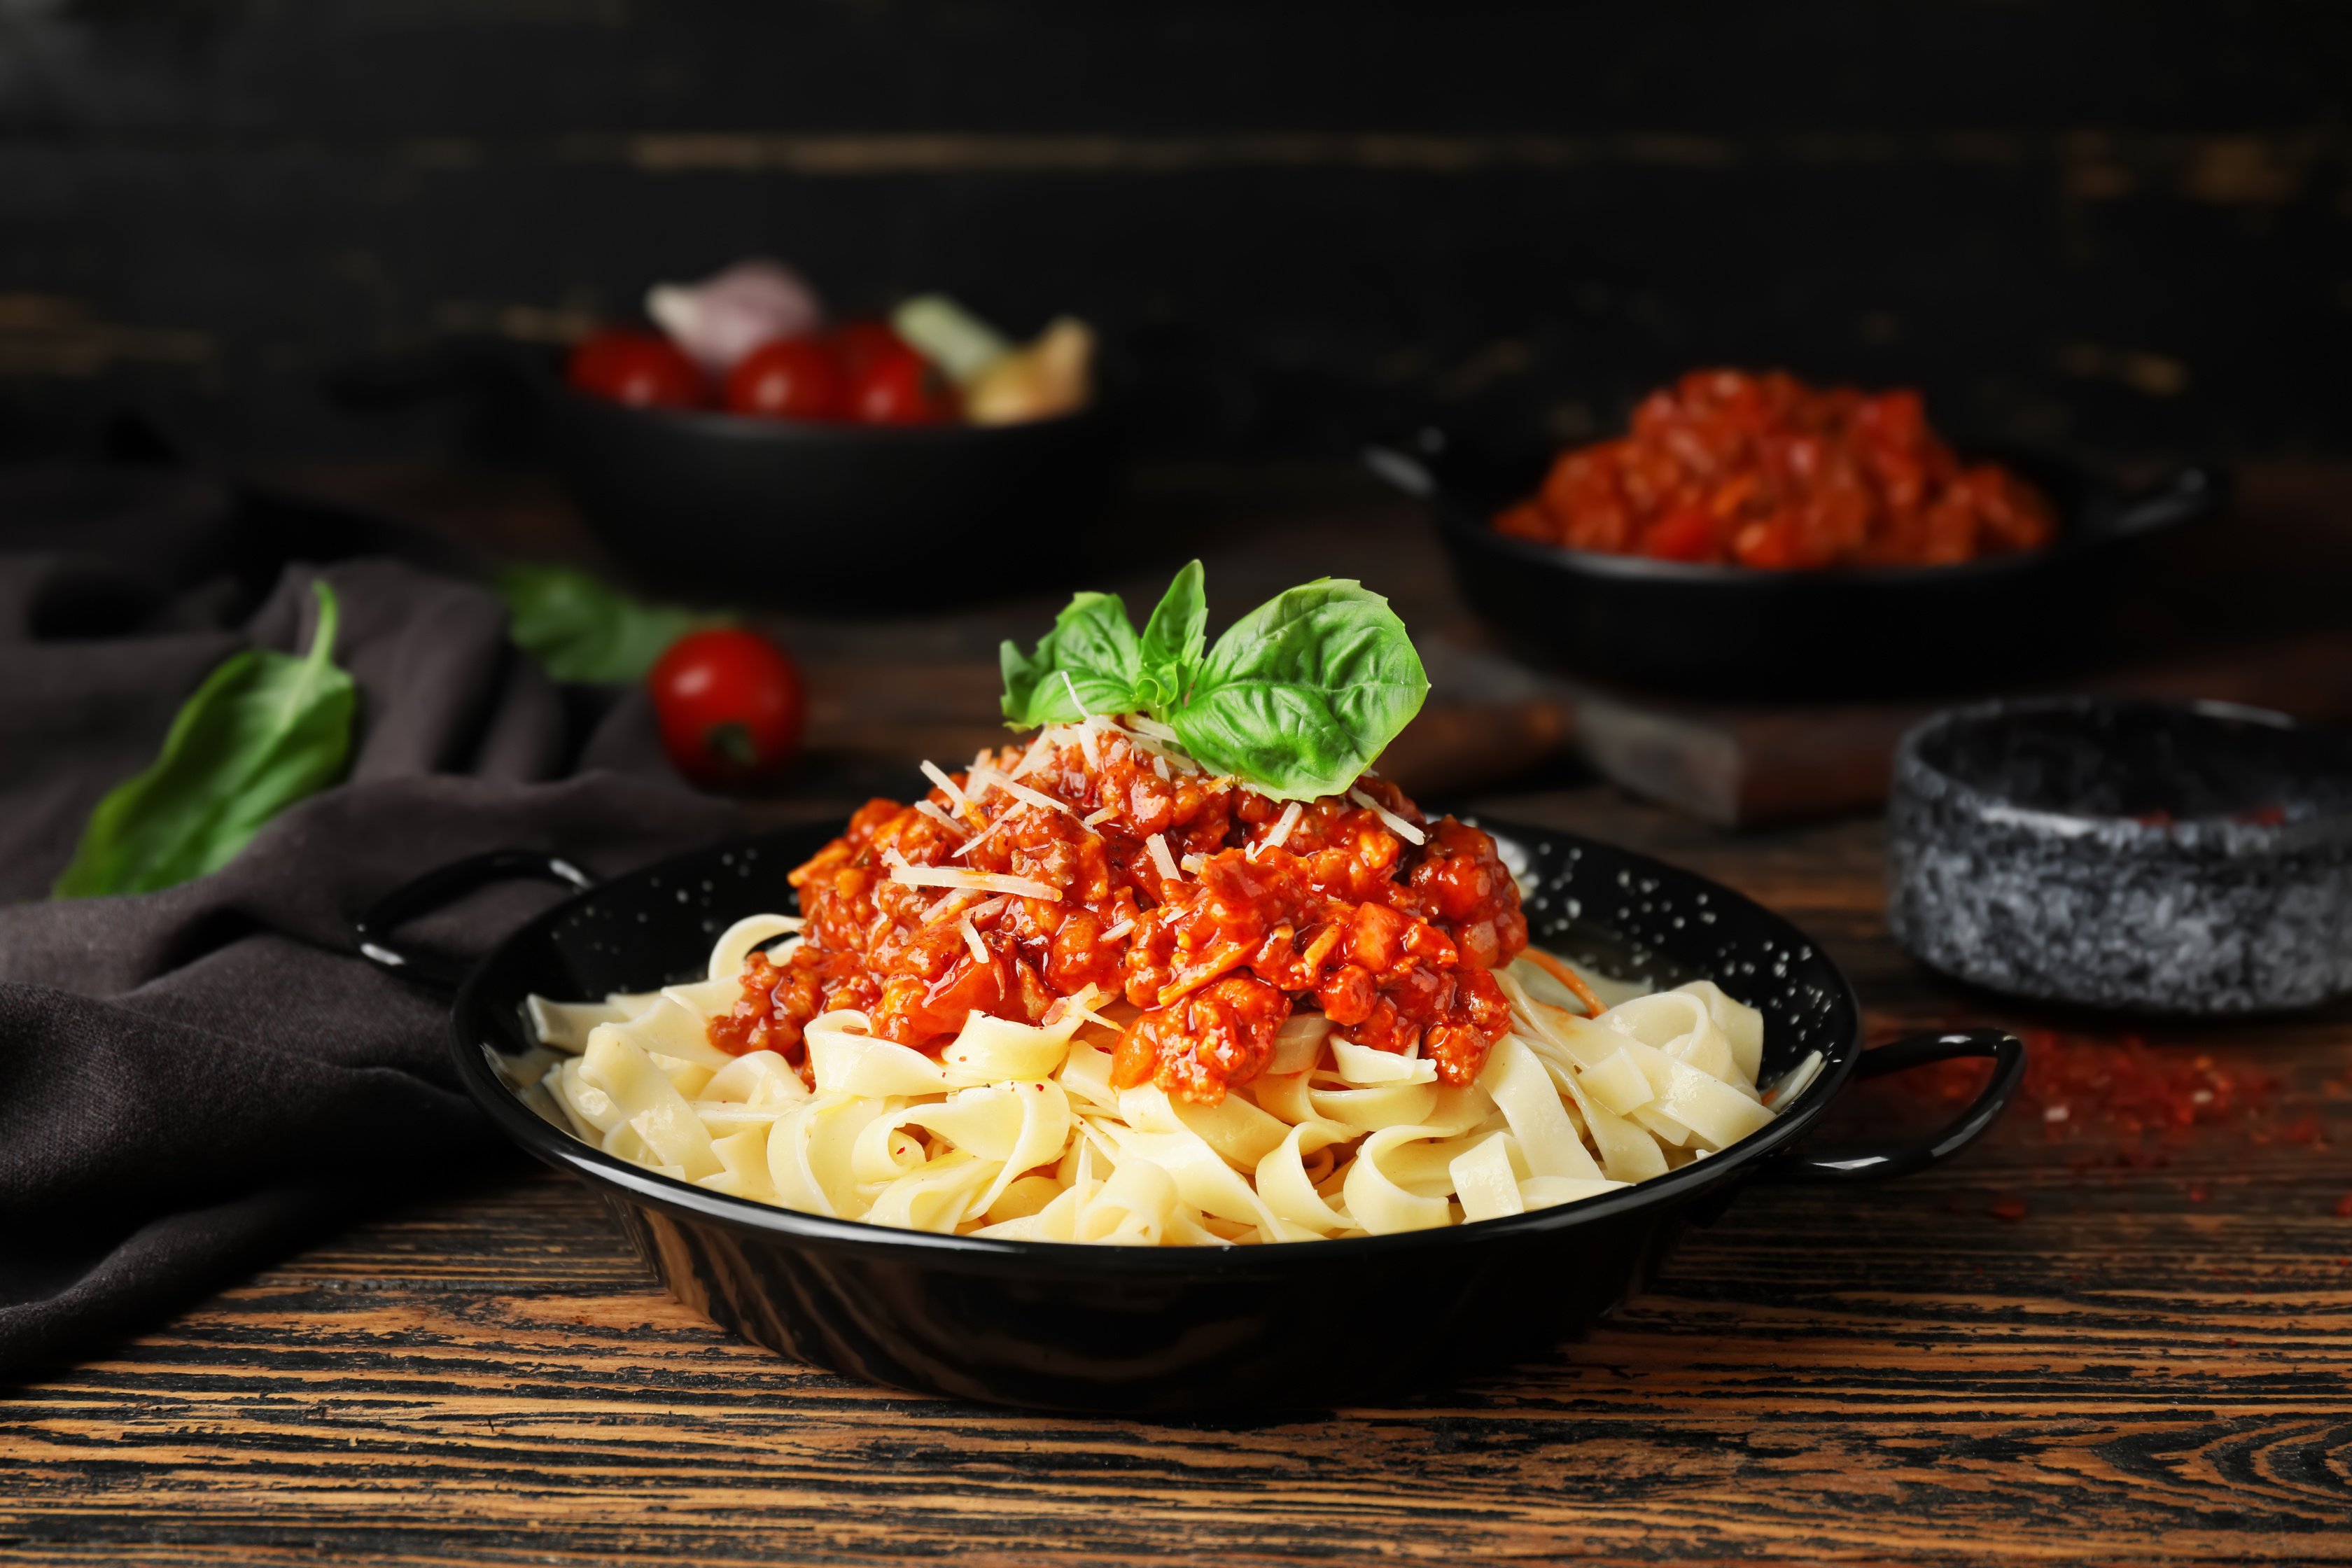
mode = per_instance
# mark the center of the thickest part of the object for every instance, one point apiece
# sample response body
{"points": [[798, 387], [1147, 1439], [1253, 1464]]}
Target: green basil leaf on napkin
{"points": [[1302, 693], [1174, 640], [581, 630], [1091, 662], [264, 731]]}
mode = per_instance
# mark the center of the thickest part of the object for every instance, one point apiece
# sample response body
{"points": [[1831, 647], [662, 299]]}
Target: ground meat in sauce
{"points": [[1731, 467], [1392, 941]]}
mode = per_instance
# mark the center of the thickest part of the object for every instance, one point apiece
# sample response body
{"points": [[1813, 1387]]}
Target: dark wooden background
{"points": [[2121, 224]]}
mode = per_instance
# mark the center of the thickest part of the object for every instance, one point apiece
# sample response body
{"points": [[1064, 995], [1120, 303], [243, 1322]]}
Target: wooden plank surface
{"points": [[2150, 1365]]}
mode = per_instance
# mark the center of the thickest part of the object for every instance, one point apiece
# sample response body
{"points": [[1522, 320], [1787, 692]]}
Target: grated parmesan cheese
{"points": [[972, 940], [1072, 688], [987, 881], [986, 779], [1086, 744], [1283, 825], [1096, 818], [1395, 823], [1120, 929], [1158, 845], [946, 785], [981, 838], [936, 813], [946, 908], [1149, 729], [1038, 751], [1082, 1002]]}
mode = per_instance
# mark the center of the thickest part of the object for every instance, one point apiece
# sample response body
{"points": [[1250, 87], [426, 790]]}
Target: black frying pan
{"points": [[1733, 631], [1161, 1330]]}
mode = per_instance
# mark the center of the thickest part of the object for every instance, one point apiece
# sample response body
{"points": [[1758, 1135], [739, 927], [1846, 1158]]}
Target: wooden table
{"points": [[2049, 1351]]}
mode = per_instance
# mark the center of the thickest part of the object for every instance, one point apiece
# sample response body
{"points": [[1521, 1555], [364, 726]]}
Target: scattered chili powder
{"points": [[2008, 1208], [2344, 1206], [2118, 1089], [2113, 1100]]}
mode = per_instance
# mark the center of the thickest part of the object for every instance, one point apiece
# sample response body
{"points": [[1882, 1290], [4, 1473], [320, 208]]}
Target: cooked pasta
{"points": [[1087, 991], [1020, 1130]]}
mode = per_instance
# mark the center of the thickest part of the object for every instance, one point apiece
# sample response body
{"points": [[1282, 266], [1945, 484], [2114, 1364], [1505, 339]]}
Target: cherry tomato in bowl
{"points": [[791, 378], [858, 343], [730, 707], [900, 386], [640, 369]]}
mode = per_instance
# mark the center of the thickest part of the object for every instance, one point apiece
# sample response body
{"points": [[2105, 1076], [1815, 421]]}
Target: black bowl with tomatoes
{"points": [[897, 506]]}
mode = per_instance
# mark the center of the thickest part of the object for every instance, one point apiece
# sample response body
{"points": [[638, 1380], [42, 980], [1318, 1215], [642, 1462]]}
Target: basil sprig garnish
{"points": [[265, 730], [1174, 640], [1295, 700]]}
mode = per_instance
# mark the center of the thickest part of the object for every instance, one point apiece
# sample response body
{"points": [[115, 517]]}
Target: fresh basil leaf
{"points": [[1089, 663], [581, 630], [1172, 642], [1302, 693], [264, 731]]}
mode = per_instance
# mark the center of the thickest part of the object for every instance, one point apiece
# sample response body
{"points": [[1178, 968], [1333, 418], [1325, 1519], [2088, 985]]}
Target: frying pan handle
{"points": [[2183, 496], [2008, 1055], [374, 927]]}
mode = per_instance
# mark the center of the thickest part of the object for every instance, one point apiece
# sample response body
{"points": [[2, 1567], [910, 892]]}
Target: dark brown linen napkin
{"points": [[195, 1080]]}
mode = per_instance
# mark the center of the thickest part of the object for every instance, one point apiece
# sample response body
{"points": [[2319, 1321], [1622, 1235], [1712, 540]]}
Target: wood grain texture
{"points": [[2076, 220], [2150, 1367]]}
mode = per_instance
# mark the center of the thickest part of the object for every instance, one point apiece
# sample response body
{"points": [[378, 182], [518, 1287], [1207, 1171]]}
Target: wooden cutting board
{"points": [[1748, 766]]}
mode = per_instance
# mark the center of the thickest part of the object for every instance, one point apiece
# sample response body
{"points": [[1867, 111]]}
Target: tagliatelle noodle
{"points": [[1016, 1130]]}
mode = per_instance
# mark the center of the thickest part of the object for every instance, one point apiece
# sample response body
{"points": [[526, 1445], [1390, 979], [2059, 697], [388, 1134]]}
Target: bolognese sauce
{"points": [[1734, 468], [1099, 857]]}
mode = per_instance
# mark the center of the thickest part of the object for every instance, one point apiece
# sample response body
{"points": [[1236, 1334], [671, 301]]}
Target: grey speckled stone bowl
{"points": [[2140, 856]]}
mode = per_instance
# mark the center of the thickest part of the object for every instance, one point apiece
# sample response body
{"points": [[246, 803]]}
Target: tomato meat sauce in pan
{"points": [[1096, 857], [1732, 469]]}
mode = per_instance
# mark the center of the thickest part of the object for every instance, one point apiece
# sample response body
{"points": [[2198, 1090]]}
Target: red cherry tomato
{"points": [[900, 386], [730, 706], [857, 345], [792, 378], [638, 369]]}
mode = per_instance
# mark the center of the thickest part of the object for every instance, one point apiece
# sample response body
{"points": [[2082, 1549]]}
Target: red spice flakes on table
{"points": [[2083, 1086], [2111, 1100]]}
